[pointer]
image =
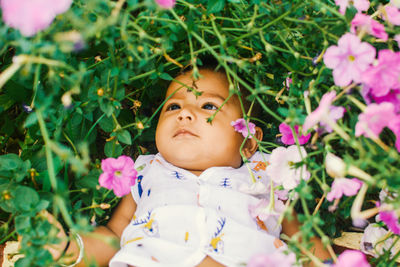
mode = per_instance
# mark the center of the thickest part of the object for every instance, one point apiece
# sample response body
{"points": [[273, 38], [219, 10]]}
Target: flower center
{"points": [[117, 173], [290, 163], [351, 58]]}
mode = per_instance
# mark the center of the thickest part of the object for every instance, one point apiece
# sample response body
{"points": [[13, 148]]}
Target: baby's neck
{"points": [[195, 172]]}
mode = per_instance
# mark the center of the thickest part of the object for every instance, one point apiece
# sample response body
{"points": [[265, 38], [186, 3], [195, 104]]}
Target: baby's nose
{"points": [[185, 115]]}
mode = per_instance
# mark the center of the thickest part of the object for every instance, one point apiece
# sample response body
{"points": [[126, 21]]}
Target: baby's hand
{"points": [[56, 250]]}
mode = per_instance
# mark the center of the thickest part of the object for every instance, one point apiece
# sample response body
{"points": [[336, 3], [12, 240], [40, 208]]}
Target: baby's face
{"points": [[185, 138]]}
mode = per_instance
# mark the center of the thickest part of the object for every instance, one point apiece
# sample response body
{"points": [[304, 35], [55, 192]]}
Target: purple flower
{"points": [[392, 97], [324, 114], [240, 126], [393, 14], [351, 258], [360, 5], [369, 25], [287, 135], [166, 3], [349, 59], [118, 174], [276, 258], [343, 186], [282, 169], [288, 81], [374, 118], [385, 75], [31, 16], [334, 114], [391, 220]]}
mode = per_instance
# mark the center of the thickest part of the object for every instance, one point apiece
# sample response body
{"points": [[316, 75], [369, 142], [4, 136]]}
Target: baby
{"points": [[188, 206]]}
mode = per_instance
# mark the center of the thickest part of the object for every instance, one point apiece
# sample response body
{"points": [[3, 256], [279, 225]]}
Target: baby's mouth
{"points": [[184, 132]]}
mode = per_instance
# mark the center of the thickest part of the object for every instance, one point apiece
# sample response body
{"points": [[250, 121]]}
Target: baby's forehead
{"points": [[209, 83]]}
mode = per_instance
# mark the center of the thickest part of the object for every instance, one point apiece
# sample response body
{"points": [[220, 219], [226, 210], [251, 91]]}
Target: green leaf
{"points": [[166, 76], [13, 167], [124, 137], [30, 120], [111, 149], [22, 223], [214, 6], [25, 198]]}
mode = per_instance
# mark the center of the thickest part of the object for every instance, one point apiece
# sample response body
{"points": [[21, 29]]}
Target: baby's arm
{"points": [[98, 250], [291, 227]]}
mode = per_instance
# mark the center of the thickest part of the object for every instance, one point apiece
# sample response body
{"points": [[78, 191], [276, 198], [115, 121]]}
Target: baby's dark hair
{"points": [[211, 63]]}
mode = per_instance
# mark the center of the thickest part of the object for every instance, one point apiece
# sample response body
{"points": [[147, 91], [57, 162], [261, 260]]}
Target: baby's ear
{"points": [[251, 145]]}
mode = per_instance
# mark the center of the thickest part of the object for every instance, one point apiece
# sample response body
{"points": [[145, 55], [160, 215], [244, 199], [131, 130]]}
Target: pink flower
{"points": [[397, 39], [240, 126], [343, 186], [392, 97], [351, 258], [118, 174], [287, 135], [288, 81], [276, 258], [385, 75], [166, 3], [374, 118], [360, 5], [31, 16], [349, 59], [325, 113], [393, 15], [373, 241], [282, 169], [334, 114], [264, 209], [391, 220], [370, 25]]}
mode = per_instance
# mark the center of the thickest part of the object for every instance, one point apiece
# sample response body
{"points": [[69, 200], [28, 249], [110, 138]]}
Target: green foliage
{"points": [[66, 108]]}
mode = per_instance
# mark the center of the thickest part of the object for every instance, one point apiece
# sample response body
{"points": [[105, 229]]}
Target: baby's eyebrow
{"points": [[212, 95]]}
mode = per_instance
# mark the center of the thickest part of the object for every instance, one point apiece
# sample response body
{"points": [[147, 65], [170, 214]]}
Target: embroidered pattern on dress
{"points": [[217, 244], [226, 182], [139, 184], [150, 226], [261, 165], [178, 175]]}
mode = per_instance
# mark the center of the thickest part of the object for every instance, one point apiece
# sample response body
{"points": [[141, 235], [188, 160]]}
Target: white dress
{"points": [[181, 218]]}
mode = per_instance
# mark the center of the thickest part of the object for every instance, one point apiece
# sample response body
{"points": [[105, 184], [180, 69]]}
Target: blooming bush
{"points": [[83, 81]]}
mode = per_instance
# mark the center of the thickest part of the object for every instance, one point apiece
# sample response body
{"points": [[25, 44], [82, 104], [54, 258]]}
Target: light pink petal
{"points": [[122, 186], [105, 180], [166, 3], [31, 16], [342, 5], [333, 56], [317, 115], [351, 258], [393, 15], [361, 5], [374, 118]]}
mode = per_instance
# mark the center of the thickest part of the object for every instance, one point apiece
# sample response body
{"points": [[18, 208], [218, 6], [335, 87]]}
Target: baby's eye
{"points": [[173, 107], [209, 106]]}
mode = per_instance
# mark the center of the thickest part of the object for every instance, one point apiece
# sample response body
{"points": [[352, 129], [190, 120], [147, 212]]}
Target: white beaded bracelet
{"points": [[81, 246]]}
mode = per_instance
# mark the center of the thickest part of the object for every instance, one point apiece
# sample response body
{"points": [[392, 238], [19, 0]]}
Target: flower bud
{"points": [[100, 92], [104, 206], [335, 166], [140, 125]]}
